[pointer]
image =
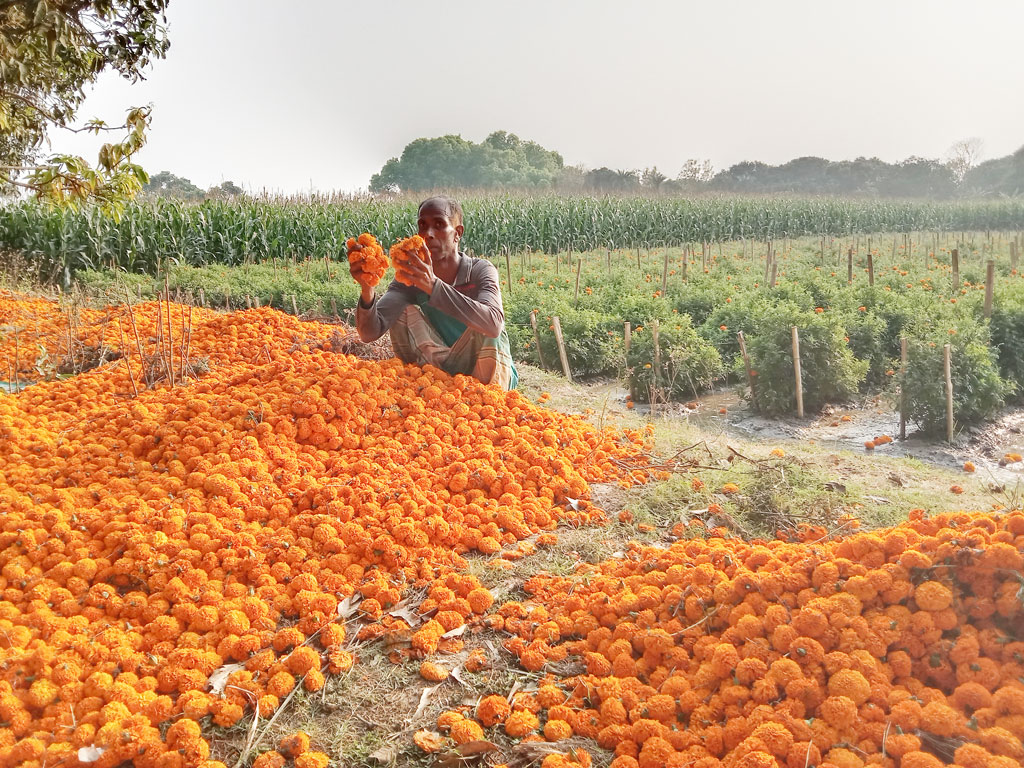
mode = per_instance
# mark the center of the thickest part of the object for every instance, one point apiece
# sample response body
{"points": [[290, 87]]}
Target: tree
{"points": [[651, 179], [962, 156], [500, 160], [226, 190], [49, 51], [697, 172], [166, 184]]}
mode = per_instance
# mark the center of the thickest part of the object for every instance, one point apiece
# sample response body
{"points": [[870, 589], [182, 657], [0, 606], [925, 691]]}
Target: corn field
{"points": [[57, 242]]}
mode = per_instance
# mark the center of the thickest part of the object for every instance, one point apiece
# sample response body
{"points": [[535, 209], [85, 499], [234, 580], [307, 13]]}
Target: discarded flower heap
{"points": [[36, 329], [901, 648], [146, 542], [402, 254], [366, 254]]}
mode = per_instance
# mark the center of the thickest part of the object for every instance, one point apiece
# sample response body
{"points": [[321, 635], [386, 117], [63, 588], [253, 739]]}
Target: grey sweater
{"points": [[474, 299]]}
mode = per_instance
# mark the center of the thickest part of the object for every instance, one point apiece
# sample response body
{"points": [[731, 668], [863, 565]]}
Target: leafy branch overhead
{"points": [[49, 51]]}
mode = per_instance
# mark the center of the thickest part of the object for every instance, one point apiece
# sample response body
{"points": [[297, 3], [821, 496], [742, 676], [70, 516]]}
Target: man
{"points": [[451, 316]]}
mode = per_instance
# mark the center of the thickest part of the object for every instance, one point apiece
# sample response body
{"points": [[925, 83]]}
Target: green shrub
{"points": [[688, 364], [830, 372], [978, 390], [1008, 334], [593, 343]]}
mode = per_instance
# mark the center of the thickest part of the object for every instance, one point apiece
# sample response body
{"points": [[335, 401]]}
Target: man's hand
{"points": [[421, 274]]}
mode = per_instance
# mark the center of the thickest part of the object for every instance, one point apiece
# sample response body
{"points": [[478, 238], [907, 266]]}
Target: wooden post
{"points": [[775, 269], [871, 268], [295, 306], [990, 282], [849, 267], [903, 388], [655, 330], [536, 337], [561, 348], [170, 333], [202, 297], [750, 371], [686, 265], [768, 262], [664, 275], [508, 270], [334, 308], [796, 373], [227, 299], [655, 371], [955, 257], [947, 366], [576, 292], [248, 301], [627, 337]]}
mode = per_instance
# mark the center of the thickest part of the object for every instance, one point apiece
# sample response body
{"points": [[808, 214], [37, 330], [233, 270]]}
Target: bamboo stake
{"points": [[576, 293], [871, 269], [17, 361], [295, 306], [664, 275], [508, 269], [334, 308], [188, 345], [903, 388], [561, 348], [124, 356], [775, 269], [627, 338], [536, 337], [170, 334], [849, 267], [796, 373], [655, 328], [751, 376], [135, 330], [947, 366], [955, 256], [990, 280], [202, 297]]}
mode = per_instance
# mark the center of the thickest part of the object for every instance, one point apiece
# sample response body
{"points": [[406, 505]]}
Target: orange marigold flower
{"points": [[493, 710]]}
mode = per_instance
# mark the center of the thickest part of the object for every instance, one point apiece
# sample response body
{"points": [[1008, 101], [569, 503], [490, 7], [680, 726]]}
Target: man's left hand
{"points": [[421, 273]]}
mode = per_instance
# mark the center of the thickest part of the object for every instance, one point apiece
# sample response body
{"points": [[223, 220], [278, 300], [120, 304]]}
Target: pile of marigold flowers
{"points": [[901, 648], [366, 253], [147, 541]]}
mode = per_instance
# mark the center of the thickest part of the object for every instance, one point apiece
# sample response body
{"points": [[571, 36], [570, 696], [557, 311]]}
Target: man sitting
{"points": [[451, 316]]}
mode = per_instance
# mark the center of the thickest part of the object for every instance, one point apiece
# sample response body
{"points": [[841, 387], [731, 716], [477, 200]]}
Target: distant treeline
{"points": [[503, 161]]}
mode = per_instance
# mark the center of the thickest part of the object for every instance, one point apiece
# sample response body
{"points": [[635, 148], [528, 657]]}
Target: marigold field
{"points": [[228, 511]]}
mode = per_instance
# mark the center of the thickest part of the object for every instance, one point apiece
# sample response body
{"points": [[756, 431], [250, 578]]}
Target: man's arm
{"points": [[374, 320], [484, 314]]}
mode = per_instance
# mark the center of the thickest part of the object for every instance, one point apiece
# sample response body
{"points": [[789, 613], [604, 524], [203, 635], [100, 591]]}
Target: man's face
{"points": [[438, 233]]}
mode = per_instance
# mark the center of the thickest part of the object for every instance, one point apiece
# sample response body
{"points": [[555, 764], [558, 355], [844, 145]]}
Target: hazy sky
{"points": [[301, 95]]}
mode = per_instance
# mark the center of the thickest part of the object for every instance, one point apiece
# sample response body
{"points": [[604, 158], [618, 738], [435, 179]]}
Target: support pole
{"points": [[796, 373], [871, 269], [990, 282], [954, 255], [751, 376], [948, 369], [903, 388], [561, 348]]}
